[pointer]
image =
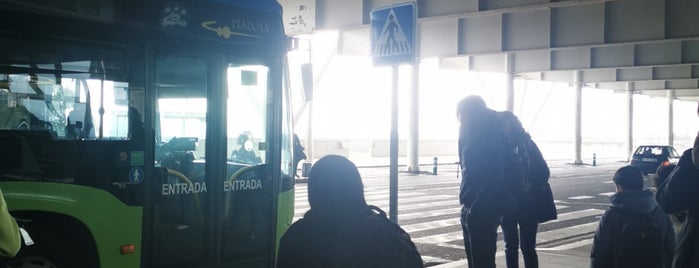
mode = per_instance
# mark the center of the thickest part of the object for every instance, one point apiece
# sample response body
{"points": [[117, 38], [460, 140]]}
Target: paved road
{"points": [[428, 209]]}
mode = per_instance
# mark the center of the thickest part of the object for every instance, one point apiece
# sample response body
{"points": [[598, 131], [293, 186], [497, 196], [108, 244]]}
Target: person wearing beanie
{"points": [[634, 231], [341, 229]]}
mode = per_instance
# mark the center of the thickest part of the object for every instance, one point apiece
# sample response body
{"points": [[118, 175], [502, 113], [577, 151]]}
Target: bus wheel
{"points": [[59, 242], [50, 250], [31, 262]]}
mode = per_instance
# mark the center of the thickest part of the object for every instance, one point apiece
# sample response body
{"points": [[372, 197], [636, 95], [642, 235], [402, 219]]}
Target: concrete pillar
{"points": [[510, 83], [413, 133], [629, 119], [577, 82], [670, 117]]}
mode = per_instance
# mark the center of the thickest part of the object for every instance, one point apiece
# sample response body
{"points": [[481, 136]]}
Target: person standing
{"points": [[661, 175], [526, 176], [481, 158], [634, 231], [298, 154], [678, 194]]}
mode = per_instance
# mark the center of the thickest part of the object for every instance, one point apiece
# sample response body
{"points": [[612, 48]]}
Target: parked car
{"points": [[649, 157]]}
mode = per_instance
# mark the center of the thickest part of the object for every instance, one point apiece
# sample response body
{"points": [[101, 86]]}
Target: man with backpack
{"points": [[484, 196], [634, 231]]}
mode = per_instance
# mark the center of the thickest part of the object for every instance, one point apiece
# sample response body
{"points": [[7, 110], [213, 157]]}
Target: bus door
{"points": [[181, 214], [248, 222], [214, 206]]}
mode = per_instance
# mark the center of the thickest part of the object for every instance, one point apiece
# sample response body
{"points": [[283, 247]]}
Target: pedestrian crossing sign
{"points": [[393, 34]]}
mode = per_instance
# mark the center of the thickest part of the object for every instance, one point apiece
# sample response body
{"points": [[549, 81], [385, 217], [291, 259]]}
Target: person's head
{"points": [[662, 173], [335, 186], [469, 108], [628, 178], [134, 116], [135, 124], [245, 141]]}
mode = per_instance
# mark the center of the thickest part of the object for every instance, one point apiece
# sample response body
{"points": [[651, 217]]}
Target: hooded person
{"points": [[631, 204], [341, 229]]}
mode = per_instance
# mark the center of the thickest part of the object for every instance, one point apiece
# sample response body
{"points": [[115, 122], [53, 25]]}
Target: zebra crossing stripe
{"points": [[542, 237], [383, 197], [607, 194], [425, 214], [457, 221], [575, 230], [384, 206], [581, 197], [573, 245], [430, 259], [383, 200], [431, 225], [454, 264], [577, 214]]}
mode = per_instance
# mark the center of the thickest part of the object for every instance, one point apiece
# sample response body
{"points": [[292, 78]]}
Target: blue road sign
{"points": [[393, 34]]}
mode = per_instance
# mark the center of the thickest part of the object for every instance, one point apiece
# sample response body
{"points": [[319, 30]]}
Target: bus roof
{"points": [[271, 6]]}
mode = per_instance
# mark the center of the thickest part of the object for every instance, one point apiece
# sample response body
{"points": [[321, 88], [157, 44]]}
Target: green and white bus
{"points": [[146, 133]]}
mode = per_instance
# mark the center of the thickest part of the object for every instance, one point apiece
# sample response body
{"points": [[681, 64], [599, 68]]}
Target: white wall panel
{"points": [[612, 56], [672, 72], [634, 20], [633, 74], [526, 30], [532, 61], [437, 38], [569, 59], [489, 63], [335, 14], [577, 25], [480, 34], [658, 53], [429, 8], [599, 75]]}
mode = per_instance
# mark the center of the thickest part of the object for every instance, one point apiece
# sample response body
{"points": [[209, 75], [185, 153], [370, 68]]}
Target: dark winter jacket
{"points": [[371, 241], [609, 228], [677, 194], [341, 230], [482, 161]]}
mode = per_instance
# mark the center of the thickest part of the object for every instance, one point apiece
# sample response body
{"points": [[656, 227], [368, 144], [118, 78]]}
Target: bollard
{"points": [[594, 159], [434, 166]]}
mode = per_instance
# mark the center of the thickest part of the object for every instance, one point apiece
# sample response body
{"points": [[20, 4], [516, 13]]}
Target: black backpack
{"points": [[525, 167], [640, 241]]}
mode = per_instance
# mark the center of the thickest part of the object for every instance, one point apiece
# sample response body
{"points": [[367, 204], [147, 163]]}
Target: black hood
{"points": [[634, 201]]}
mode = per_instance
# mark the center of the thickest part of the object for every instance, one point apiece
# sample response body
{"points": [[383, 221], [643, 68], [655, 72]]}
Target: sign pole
{"points": [[393, 174], [393, 43]]}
